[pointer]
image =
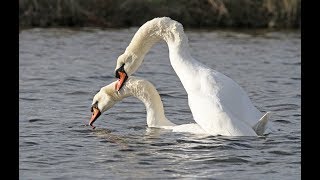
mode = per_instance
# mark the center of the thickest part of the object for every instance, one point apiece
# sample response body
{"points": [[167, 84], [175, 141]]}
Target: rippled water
{"points": [[61, 69]]}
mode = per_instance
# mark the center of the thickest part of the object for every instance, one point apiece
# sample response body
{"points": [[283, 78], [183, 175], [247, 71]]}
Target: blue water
{"points": [[60, 70]]}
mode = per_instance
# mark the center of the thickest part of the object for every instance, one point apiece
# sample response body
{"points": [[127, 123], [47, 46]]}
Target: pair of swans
{"points": [[218, 104]]}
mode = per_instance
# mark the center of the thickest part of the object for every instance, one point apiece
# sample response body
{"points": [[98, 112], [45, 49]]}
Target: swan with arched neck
{"points": [[142, 89], [218, 104]]}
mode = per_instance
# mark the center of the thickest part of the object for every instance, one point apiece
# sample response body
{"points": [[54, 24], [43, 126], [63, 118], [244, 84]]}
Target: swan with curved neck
{"points": [[137, 87], [218, 104], [145, 92]]}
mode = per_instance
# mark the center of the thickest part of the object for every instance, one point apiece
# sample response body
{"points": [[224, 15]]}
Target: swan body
{"points": [[218, 104]]}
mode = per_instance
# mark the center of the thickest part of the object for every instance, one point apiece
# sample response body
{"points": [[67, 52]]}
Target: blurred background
{"points": [[191, 13]]}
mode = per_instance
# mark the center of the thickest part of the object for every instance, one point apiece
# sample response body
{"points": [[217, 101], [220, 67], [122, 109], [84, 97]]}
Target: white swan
{"points": [[218, 104], [147, 93]]}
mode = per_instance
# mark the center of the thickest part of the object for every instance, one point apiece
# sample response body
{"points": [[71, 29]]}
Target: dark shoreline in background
{"points": [[249, 31], [193, 14]]}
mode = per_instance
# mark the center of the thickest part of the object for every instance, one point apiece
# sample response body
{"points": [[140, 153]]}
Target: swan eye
{"points": [[95, 105]]}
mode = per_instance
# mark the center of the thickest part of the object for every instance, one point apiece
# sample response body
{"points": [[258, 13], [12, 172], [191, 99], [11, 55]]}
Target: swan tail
{"points": [[261, 125]]}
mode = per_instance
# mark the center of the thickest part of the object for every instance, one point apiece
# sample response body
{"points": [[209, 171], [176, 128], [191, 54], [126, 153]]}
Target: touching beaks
{"points": [[122, 77], [95, 114]]}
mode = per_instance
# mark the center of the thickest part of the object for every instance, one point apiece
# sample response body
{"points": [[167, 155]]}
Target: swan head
{"points": [[102, 101], [127, 64]]}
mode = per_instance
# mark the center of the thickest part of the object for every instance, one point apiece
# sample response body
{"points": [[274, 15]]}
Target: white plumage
{"points": [[218, 104]]}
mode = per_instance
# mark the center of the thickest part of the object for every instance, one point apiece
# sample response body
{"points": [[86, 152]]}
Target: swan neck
{"points": [[146, 92], [142, 42], [154, 31]]}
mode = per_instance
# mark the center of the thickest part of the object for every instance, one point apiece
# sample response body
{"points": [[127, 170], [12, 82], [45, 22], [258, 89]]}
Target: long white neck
{"points": [[172, 33], [147, 93]]}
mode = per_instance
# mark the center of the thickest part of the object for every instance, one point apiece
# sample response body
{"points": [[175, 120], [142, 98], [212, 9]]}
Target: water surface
{"points": [[60, 70]]}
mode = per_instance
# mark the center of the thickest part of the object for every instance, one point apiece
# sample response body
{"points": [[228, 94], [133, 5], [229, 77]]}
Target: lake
{"points": [[60, 70]]}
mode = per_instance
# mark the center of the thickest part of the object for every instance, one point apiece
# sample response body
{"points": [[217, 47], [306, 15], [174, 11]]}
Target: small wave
{"points": [[75, 79], [52, 84], [295, 64], [296, 115], [280, 152], [77, 93], [262, 162], [187, 141], [126, 150], [282, 121], [101, 77], [296, 162], [36, 120], [74, 145], [202, 147], [162, 144], [37, 79], [30, 99], [295, 78], [240, 145], [143, 154], [109, 161], [167, 95], [169, 171], [270, 172], [144, 163], [293, 137], [225, 160], [30, 143], [283, 107], [272, 81]]}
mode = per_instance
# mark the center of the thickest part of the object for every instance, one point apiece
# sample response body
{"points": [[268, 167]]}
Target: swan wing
{"points": [[215, 119], [233, 98]]}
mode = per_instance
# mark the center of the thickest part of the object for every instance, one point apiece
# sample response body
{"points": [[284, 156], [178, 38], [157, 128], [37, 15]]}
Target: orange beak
{"points": [[122, 78], [95, 114]]}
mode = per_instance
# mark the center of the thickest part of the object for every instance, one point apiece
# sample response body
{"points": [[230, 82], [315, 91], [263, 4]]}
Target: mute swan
{"points": [[218, 104], [147, 93]]}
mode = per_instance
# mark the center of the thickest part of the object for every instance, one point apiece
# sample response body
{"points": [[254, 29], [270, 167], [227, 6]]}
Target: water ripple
{"points": [[281, 153], [77, 93], [29, 143], [36, 120], [30, 99], [226, 160]]}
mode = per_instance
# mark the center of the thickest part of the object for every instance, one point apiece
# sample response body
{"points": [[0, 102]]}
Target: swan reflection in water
{"points": [[107, 135]]}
